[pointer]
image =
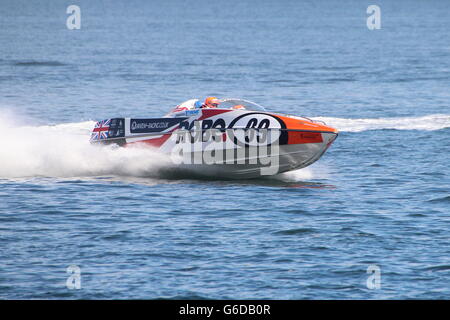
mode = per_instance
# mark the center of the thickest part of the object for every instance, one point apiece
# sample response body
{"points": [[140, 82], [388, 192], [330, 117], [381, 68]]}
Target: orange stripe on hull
{"points": [[299, 137], [297, 124]]}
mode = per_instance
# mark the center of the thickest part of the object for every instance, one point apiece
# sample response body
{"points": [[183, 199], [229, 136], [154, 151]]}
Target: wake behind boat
{"points": [[232, 138]]}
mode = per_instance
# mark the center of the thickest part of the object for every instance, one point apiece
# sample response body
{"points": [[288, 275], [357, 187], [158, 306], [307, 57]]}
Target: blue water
{"points": [[379, 196]]}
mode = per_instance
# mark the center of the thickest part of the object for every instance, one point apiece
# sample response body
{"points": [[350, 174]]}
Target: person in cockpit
{"points": [[211, 102]]}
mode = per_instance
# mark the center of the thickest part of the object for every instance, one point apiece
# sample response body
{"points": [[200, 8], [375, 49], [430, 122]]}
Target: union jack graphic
{"points": [[101, 129]]}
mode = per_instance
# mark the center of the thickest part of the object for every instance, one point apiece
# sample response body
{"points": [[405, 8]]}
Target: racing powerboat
{"points": [[236, 139]]}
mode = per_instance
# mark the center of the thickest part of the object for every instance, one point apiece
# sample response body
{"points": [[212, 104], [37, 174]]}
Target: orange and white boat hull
{"points": [[281, 142]]}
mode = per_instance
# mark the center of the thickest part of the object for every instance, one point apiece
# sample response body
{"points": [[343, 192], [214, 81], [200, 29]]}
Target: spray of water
{"points": [[316, 171], [426, 123], [64, 151]]}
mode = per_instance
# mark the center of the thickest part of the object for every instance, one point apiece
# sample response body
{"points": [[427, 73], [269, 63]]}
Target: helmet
{"points": [[198, 104], [211, 102], [239, 107]]}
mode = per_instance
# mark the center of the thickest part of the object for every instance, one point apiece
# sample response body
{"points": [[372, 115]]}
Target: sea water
{"points": [[379, 199]]}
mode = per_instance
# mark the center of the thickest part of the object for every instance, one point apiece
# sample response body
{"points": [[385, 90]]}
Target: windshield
{"points": [[248, 105], [182, 109]]}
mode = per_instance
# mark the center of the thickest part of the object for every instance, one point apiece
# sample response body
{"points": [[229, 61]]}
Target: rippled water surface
{"points": [[379, 196]]}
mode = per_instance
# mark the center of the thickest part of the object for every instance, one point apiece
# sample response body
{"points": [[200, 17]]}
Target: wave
{"points": [[426, 123], [38, 63], [442, 199]]}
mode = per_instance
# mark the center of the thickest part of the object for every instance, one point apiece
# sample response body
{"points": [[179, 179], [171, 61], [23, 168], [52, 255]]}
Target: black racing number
{"points": [[264, 124], [219, 124], [252, 123]]}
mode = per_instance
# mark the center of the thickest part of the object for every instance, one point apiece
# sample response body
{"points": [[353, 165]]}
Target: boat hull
{"points": [[246, 144], [253, 165]]}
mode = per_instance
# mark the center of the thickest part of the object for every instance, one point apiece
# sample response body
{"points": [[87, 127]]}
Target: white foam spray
{"points": [[64, 150], [426, 123], [315, 171]]}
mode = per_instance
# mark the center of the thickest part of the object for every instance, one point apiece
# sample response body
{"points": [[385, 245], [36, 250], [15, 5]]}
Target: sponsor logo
{"points": [[241, 130], [191, 112], [153, 125], [249, 120], [149, 125]]}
